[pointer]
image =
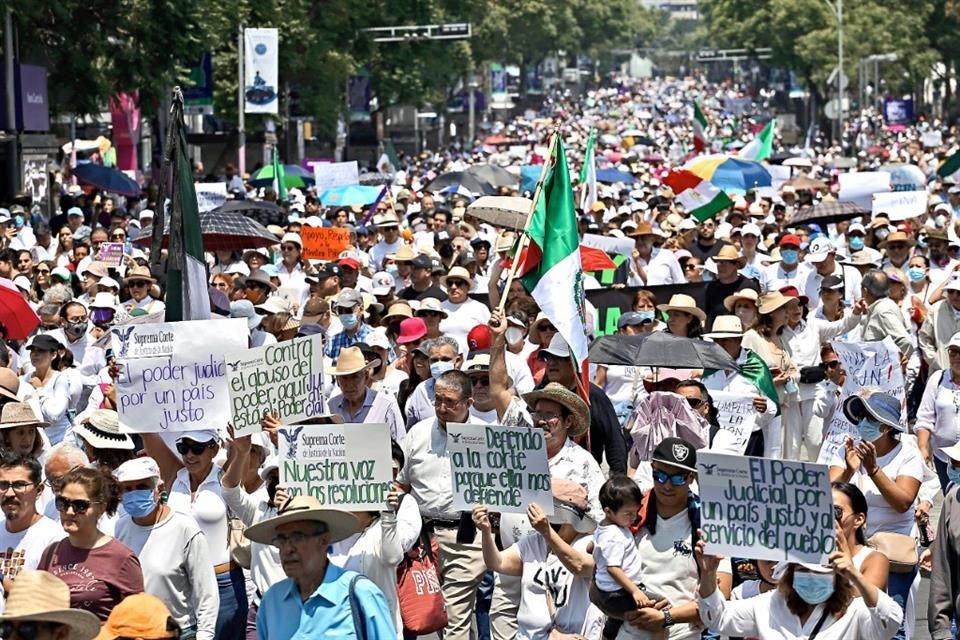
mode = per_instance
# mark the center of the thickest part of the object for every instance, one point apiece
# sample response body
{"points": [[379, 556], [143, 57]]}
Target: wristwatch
{"points": [[667, 618]]}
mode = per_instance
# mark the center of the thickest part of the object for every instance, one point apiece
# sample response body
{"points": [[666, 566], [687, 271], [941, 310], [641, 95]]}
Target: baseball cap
{"points": [[137, 469], [200, 435], [630, 319], [832, 282], [478, 339], [75, 211], [751, 229], [819, 250], [383, 283], [676, 453], [348, 298]]}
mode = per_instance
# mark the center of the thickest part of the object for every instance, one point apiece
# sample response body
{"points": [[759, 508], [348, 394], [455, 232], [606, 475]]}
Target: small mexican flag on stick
{"points": [[700, 140], [698, 196]]}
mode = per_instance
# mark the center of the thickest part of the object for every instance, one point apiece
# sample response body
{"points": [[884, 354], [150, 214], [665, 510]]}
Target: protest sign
{"points": [[111, 254], [504, 468], [736, 415], [210, 195], [900, 205], [905, 177], [872, 365], [347, 466], [609, 244], [860, 187], [286, 378], [335, 174], [323, 243], [173, 375], [932, 139], [765, 509]]}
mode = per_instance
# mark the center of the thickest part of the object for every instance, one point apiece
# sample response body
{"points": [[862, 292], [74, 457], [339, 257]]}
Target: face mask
{"points": [[76, 328], [813, 588], [953, 474], [916, 273], [513, 335], [101, 316], [139, 503], [439, 368], [707, 276], [393, 270], [646, 316], [18, 222], [922, 241], [869, 430], [856, 243], [789, 256], [348, 320], [881, 234]]}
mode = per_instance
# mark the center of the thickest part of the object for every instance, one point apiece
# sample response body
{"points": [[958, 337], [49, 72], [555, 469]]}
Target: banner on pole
{"points": [[210, 195], [261, 79]]}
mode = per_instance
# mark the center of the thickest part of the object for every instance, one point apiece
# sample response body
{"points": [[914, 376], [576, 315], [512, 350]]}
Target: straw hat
{"points": [[19, 414], [351, 360], [728, 253], [726, 327], [896, 236], [102, 431], [459, 273], [397, 311], [404, 254], [431, 304], [556, 392], [743, 294], [139, 273], [340, 524], [643, 229], [684, 303], [38, 596], [770, 302]]}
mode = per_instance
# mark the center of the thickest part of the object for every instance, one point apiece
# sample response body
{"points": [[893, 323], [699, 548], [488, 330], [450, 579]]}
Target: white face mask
{"points": [[513, 335]]}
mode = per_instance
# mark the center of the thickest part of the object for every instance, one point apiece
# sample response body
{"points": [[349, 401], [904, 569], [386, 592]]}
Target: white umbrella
{"points": [[501, 211]]}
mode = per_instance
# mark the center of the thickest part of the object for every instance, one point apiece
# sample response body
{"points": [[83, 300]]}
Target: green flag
{"points": [[950, 167], [760, 148], [756, 371], [279, 177]]}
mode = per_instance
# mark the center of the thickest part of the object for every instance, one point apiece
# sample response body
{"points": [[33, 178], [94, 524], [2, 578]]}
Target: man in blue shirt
{"points": [[318, 599], [349, 309]]}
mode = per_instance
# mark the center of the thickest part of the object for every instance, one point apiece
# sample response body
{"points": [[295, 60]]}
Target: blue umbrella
{"points": [[614, 175], [349, 196], [739, 176], [106, 179]]}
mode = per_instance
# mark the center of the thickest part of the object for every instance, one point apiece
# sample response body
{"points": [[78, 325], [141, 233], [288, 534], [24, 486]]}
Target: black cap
{"points": [[478, 242], [326, 271], [423, 261], [45, 342], [676, 453], [832, 282]]}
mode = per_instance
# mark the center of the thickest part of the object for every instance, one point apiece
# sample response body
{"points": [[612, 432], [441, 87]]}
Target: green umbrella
{"points": [[294, 177]]}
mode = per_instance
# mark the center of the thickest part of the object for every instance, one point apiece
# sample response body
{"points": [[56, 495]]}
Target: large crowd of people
{"points": [[193, 535]]}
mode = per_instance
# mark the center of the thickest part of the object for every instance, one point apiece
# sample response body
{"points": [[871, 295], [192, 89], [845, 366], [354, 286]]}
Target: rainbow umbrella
{"points": [[733, 175]]}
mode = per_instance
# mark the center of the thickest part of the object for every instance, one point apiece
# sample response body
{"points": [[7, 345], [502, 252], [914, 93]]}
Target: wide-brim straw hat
{"points": [[39, 596], [19, 414], [684, 303], [340, 524], [139, 273], [102, 431], [770, 302], [726, 327], [556, 392], [743, 294], [728, 253], [351, 360]]}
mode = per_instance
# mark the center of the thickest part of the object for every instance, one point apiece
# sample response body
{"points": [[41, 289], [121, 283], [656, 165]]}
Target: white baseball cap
{"points": [[819, 250], [751, 229], [383, 283], [137, 469]]}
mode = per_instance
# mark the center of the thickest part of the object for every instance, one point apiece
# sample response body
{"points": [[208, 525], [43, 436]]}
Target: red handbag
{"points": [[422, 608]]}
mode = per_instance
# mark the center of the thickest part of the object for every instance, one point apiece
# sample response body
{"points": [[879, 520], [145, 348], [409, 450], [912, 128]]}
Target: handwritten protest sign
{"points": [[871, 365], [321, 243], [285, 377], [173, 375], [348, 466], [736, 415], [504, 468], [210, 195], [111, 254], [765, 509], [335, 174]]}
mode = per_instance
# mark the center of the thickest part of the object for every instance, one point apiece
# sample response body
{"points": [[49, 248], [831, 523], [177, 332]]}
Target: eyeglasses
{"points": [[41, 271], [449, 403], [136, 284], [544, 418], [677, 479], [20, 486], [897, 246], [459, 284], [196, 448], [26, 630], [832, 364], [480, 382], [296, 538], [695, 403], [118, 236], [429, 314], [80, 507]]}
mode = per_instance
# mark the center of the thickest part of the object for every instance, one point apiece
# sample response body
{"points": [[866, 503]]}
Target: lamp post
{"points": [[837, 10]]}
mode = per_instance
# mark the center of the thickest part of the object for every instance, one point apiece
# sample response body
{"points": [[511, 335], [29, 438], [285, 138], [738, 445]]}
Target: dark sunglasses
{"points": [[196, 448], [460, 284], [80, 507], [695, 403], [118, 236], [39, 271], [138, 283], [289, 247], [677, 479], [831, 365], [26, 630], [429, 314]]}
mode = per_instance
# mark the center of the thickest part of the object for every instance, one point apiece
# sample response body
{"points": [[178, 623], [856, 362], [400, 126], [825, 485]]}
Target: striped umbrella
{"points": [[294, 177], [733, 175]]}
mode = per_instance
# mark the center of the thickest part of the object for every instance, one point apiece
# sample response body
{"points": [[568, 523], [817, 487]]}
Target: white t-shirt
{"points": [[22, 550], [614, 546], [463, 317]]}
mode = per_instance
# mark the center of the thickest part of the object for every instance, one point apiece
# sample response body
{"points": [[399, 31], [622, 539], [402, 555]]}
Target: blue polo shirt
{"points": [[283, 615]]}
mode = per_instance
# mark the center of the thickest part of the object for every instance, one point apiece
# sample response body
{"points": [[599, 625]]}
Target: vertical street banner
{"points": [[261, 79]]}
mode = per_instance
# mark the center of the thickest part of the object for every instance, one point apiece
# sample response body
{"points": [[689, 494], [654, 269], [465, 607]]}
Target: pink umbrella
{"points": [[15, 313]]}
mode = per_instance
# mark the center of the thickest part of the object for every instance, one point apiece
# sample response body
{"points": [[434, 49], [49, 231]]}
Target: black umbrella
{"points": [[492, 174], [827, 212], [660, 349], [221, 232], [258, 210], [463, 179], [106, 179]]}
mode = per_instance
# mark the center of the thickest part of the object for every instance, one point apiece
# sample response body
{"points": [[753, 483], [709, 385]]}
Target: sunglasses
{"points": [[138, 283], [429, 314], [26, 630], [80, 507], [831, 365], [695, 403], [475, 381], [41, 271], [196, 448], [289, 247], [119, 236], [459, 284], [677, 479]]}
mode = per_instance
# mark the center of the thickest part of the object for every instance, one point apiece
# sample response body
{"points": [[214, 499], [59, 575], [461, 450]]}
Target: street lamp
{"points": [[472, 85], [837, 10]]}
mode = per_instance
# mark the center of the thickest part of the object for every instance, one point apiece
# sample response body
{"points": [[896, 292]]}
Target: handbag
{"points": [[899, 548], [238, 543], [422, 608]]}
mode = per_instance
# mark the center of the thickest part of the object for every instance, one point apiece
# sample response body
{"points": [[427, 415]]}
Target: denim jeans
{"points": [[898, 588], [484, 597], [232, 617]]}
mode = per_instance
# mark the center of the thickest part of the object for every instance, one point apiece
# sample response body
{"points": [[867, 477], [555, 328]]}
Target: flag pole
{"points": [[166, 176], [524, 236]]}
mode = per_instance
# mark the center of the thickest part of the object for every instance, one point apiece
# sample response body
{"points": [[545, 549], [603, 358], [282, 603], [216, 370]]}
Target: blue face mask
{"points": [[869, 430], [916, 273], [789, 256], [813, 588], [348, 320], [922, 242], [647, 316], [18, 221], [856, 242], [139, 503], [707, 276], [439, 368], [953, 474]]}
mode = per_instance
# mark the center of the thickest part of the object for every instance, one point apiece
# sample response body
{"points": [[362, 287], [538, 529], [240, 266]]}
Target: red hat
{"points": [[790, 239], [792, 292], [479, 338], [349, 262], [411, 330]]}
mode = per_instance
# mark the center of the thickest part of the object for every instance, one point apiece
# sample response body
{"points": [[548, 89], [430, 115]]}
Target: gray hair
{"points": [[877, 283], [445, 341], [58, 294], [456, 380], [73, 454], [48, 309]]}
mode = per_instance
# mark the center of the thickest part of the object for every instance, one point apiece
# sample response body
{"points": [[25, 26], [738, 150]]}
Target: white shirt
{"points": [[851, 283], [775, 277], [735, 382], [23, 549], [463, 317], [208, 509], [614, 546], [265, 568], [662, 268], [381, 250], [939, 413]]}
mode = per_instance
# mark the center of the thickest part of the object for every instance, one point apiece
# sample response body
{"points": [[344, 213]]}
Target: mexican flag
{"points": [[550, 266], [698, 196], [279, 177], [700, 140], [187, 296], [588, 176], [756, 371], [950, 168], [760, 148]]}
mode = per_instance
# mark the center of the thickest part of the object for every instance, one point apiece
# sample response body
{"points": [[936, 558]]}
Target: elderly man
{"points": [[939, 326], [426, 476], [61, 460], [349, 309], [444, 355], [823, 256], [883, 317], [357, 402], [317, 599]]}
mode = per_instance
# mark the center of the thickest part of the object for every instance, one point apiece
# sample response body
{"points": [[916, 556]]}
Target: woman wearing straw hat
{"points": [[743, 304], [102, 441], [20, 430], [684, 318], [38, 607], [138, 282]]}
